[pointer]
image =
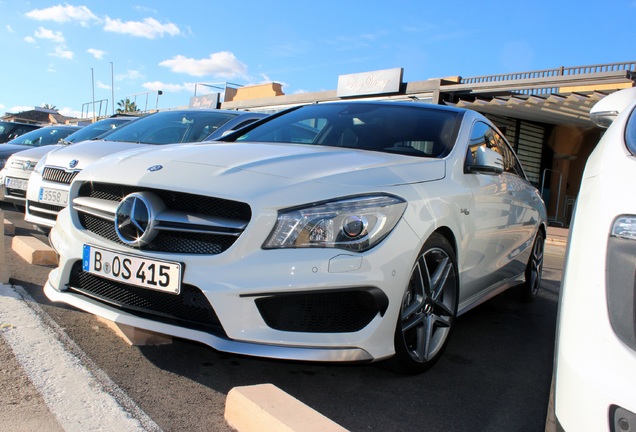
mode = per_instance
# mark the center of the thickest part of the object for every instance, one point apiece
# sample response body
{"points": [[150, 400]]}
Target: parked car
{"points": [[595, 359], [19, 167], [36, 138], [48, 186], [361, 243], [11, 130]]}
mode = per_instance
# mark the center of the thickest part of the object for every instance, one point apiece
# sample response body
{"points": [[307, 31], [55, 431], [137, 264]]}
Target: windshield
{"points": [[414, 129], [96, 129], [167, 127], [10, 130], [44, 136]]}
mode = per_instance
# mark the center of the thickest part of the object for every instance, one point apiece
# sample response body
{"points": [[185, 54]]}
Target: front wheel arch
{"points": [[428, 308]]}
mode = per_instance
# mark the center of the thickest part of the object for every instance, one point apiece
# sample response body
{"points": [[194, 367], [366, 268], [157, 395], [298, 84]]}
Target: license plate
{"points": [[15, 183], [53, 196], [132, 269]]}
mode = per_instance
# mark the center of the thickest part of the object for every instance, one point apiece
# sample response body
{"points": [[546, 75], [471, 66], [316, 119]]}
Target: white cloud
{"points": [[70, 112], [98, 54], [10, 29], [55, 36], [29, 39], [20, 108], [61, 14], [172, 88], [61, 52], [129, 75], [222, 64], [101, 85], [149, 28]]}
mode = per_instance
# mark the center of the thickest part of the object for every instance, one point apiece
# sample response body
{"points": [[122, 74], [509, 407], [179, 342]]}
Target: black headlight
{"points": [[630, 133], [621, 278]]}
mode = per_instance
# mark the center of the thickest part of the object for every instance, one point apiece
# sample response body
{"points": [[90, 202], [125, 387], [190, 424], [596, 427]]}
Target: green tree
{"points": [[126, 106], [49, 106]]}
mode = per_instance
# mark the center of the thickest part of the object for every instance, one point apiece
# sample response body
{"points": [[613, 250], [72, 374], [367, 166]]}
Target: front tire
{"points": [[428, 310]]}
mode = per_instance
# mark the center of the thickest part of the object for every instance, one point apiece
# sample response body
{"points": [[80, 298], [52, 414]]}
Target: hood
{"points": [[250, 169], [86, 152], [7, 150], [36, 153]]}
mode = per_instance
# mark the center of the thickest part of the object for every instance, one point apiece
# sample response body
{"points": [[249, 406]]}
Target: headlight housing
{"points": [[39, 168], [355, 223]]}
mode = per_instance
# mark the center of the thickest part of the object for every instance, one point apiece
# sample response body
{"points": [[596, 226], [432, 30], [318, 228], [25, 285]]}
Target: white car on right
{"points": [[595, 358]]}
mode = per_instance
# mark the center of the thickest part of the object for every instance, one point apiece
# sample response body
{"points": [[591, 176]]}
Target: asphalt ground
{"points": [[495, 374]]}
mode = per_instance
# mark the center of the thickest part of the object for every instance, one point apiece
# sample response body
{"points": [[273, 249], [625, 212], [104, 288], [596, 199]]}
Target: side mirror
{"points": [[486, 161], [608, 108]]}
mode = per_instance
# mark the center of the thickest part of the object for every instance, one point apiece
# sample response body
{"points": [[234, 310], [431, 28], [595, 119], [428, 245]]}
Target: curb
{"points": [[265, 407]]}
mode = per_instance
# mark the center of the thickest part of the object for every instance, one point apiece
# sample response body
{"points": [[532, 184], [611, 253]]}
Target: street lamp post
{"points": [[93, 87], [112, 86]]}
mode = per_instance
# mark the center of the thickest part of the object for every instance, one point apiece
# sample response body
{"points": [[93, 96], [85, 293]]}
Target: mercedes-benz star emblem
{"points": [[134, 218], [73, 163]]}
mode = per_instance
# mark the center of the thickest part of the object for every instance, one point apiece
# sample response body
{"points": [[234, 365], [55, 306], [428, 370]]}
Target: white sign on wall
{"points": [[369, 83], [210, 100]]}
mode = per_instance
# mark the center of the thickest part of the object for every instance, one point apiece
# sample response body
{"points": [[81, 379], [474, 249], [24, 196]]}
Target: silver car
{"points": [[47, 191], [20, 166]]}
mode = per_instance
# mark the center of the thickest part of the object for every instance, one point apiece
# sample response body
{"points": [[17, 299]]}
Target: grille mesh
{"points": [[189, 309]]}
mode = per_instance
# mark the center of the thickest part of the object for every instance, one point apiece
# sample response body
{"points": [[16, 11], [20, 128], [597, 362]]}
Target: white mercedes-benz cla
{"points": [[348, 231]]}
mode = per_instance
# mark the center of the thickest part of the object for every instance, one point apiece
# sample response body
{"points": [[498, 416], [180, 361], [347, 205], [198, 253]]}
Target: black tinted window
{"points": [[412, 130]]}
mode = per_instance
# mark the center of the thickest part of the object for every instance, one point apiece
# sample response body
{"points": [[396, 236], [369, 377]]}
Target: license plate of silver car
{"points": [[134, 270], [53, 196], [15, 183]]}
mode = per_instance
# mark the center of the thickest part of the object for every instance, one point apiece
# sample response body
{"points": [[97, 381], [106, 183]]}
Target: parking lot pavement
{"points": [[61, 393]]}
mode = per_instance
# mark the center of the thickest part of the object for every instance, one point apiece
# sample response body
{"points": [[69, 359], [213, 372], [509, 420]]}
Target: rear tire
{"points": [[428, 310], [534, 269]]}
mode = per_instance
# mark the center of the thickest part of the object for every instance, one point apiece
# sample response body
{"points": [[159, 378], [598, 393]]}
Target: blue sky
{"points": [[59, 53]]}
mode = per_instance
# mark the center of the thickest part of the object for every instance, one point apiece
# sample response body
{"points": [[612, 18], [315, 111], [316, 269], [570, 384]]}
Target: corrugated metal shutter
{"points": [[530, 144]]}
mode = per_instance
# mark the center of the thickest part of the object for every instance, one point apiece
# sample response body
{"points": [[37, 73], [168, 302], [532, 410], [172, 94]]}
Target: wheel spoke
{"points": [[412, 320], [423, 341], [440, 277]]}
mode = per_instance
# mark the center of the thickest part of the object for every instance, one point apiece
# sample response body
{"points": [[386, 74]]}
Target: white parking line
{"points": [[81, 399]]}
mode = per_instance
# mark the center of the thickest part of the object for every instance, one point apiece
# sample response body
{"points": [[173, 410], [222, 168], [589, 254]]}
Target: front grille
{"points": [[326, 312], [180, 201], [36, 209], [17, 193], [174, 240], [58, 175], [189, 309], [166, 241]]}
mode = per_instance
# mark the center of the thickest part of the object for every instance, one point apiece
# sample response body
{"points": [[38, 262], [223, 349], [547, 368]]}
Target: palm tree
{"points": [[49, 106], [126, 106]]}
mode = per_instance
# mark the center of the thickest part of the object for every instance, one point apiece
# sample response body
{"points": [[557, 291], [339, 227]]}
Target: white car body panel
{"points": [[594, 369]]}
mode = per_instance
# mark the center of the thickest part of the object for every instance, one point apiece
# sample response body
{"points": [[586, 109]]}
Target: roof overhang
{"points": [[559, 100]]}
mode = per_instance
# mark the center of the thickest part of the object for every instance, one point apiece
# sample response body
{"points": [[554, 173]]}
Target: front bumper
{"points": [[244, 289]]}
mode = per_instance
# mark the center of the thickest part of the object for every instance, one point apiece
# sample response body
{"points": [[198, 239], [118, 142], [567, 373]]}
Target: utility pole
{"points": [[112, 86], [93, 86]]}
